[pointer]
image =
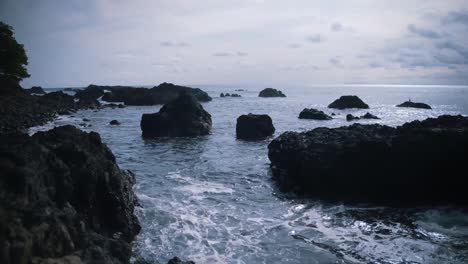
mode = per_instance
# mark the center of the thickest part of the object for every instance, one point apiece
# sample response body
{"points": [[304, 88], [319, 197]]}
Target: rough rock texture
{"points": [[270, 92], [183, 117], [348, 101], [64, 200], [421, 162], [252, 127], [310, 113], [160, 94], [414, 105], [36, 90]]}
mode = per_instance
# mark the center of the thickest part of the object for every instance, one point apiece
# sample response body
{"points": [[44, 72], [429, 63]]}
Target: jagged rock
{"points": [[348, 101], [417, 163], [270, 92], [310, 113], [114, 122], [183, 117], [64, 200], [254, 127], [414, 105]]}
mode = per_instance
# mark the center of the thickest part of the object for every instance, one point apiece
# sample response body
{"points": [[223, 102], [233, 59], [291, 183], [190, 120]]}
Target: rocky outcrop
{"points": [[251, 127], [417, 163], [350, 117], [35, 90], [310, 113], [114, 122], [414, 105], [160, 94], [229, 95], [183, 117], [270, 92], [64, 200], [348, 101]]}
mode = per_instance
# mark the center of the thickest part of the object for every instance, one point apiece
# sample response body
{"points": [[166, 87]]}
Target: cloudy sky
{"points": [[241, 42]]}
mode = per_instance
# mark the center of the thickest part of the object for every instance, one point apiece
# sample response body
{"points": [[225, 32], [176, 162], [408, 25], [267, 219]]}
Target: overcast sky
{"points": [[241, 42]]}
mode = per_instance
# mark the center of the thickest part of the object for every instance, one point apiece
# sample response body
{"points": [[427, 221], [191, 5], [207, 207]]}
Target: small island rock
{"points": [[348, 101], [310, 113], [254, 127], [270, 92], [415, 105]]}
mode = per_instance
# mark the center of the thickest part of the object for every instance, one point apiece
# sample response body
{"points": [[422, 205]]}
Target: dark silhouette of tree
{"points": [[13, 58]]}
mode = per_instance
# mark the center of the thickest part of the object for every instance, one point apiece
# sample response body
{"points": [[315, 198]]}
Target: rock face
{"points": [[183, 117], [160, 94], [310, 113], [270, 92], [36, 90], [418, 163], [64, 200], [252, 127], [414, 105], [348, 101]]}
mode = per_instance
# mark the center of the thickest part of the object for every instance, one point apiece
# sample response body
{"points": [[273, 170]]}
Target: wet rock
{"points": [[270, 92], [183, 117], [35, 90], [350, 117], [176, 260], [310, 113], [86, 120], [63, 200], [114, 122], [417, 163], [369, 116], [252, 127], [414, 105], [348, 101]]}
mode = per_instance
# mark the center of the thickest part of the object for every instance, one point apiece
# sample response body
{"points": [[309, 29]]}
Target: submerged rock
{"points": [[183, 117], [310, 113], [348, 101], [64, 200], [254, 127], [114, 122], [417, 163], [350, 117], [270, 92], [414, 105], [229, 95]]}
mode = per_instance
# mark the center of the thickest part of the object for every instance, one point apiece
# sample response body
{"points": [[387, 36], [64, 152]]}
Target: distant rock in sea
{"points": [[310, 113], [161, 94], [252, 127], [270, 92], [417, 163], [415, 105], [350, 117], [114, 122], [348, 101], [229, 95], [64, 200], [36, 90], [183, 117]]}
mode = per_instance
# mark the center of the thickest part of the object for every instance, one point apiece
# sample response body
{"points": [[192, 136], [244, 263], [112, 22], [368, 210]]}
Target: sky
{"points": [[275, 43]]}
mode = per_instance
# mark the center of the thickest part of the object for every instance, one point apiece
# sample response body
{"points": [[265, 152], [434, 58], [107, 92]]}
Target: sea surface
{"points": [[211, 199]]}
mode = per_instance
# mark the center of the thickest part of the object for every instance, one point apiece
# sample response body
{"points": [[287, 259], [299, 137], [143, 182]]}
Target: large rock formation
{"points": [[348, 101], [310, 113], [270, 92], [183, 117], [421, 162], [64, 200], [414, 105], [254, 127], [160, 94]]}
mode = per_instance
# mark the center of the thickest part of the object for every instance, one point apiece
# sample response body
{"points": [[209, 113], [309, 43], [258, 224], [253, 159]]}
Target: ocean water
{"points": [[211, 199]]}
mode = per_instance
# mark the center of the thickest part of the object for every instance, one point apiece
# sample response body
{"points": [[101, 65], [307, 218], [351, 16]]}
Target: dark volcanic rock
{"points": [[414, 105], [161, 94], [417, 163], [36, 90], [309, 113], [114, 122], [183, 117], [254, 127], [348, 101], [64, 200], [270, 92]]}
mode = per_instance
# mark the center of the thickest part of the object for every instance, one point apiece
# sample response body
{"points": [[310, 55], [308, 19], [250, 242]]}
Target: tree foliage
{"points": [[13, 58]]}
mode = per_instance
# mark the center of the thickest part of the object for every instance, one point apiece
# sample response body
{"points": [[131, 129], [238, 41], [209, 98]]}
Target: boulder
{"points": [[350, 117], [414, 105], [310, 113], [183, 117], [270, 92], [114, 122], [348, 101], [64, 200], [418, 163], [252, 127]]}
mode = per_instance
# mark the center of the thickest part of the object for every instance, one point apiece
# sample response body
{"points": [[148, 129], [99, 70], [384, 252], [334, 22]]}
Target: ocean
{"points": [[211, 199]]}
